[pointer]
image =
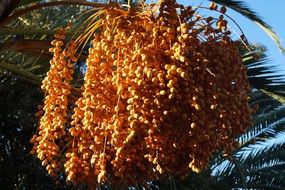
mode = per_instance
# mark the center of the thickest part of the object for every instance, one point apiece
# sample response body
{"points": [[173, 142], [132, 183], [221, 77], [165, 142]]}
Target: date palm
{"points": [[26, 29]]}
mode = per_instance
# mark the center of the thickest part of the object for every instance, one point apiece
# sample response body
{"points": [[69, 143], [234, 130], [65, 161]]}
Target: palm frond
{"points": [[20, 72], [263, 149], [262, 163], [264, 102], [24, 46], [264, 126], [277, 95], [38, 6], [262, 74], [27, 2], [244, 10]]}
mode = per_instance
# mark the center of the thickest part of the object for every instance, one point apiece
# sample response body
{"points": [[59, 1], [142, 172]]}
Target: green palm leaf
{"points": [[262, 74], [20, 72], [257, 165], [263, 165]]}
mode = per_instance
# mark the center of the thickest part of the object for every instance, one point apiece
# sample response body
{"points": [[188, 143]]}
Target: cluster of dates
{"points": [[162, 93]]}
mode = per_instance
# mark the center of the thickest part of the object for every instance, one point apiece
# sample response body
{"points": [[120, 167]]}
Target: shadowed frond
{"points": [[262, 163], [263, 170], [25, 44], [264, 75], [264, 102], [16, 14], [260, 160], [23, 66]]}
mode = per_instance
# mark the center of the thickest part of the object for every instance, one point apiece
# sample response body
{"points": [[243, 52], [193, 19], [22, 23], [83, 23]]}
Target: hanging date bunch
{"points": [[163, 91]]}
